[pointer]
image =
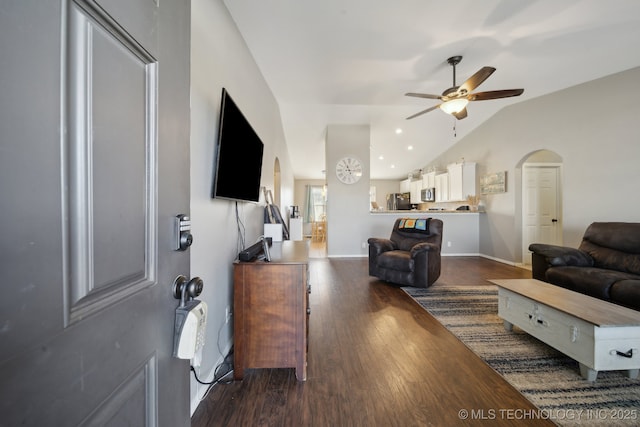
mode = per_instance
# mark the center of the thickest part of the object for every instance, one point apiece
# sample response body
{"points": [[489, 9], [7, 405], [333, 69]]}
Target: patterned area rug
{"points": [[550, 380]]}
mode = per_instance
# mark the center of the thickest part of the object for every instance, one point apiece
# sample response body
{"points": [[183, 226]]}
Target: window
{"points": [[316, 208], [319, 200]]}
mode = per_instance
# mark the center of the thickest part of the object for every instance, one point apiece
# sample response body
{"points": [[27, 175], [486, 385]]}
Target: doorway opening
{"points": [[315, 217], [541, 201]]}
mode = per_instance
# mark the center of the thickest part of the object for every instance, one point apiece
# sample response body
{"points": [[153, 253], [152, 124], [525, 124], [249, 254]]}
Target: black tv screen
{"points": [[238, 155]]}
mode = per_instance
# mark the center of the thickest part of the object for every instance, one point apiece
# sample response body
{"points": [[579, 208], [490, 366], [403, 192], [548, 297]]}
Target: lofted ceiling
{"points": [[352, 61]]}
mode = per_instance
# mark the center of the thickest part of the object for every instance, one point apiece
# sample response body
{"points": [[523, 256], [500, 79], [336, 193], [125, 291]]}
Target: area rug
{"points": [[550, 380]]}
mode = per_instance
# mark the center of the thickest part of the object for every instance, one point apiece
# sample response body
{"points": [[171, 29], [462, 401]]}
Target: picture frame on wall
{"points": [[493, 183]]}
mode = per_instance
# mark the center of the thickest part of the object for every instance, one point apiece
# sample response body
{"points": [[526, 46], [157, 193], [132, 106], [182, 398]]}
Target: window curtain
{"points": [[309, 212]]}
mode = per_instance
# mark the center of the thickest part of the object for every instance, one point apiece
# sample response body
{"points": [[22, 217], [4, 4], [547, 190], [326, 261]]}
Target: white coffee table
{"points": [[599, 335]]}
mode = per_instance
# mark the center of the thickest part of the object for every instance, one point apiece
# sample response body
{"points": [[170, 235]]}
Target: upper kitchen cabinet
{"points": [[405, 186], [416, 188], [462, 181], [429, 180], [442, 187]]}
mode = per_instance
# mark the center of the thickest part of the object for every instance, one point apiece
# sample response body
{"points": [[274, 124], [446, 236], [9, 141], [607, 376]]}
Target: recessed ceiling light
{"points": [[410, 147], [381, 157], [398, 131], [393, 166]]}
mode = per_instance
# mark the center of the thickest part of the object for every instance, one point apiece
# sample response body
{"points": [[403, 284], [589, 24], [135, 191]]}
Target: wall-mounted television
{"points": [[238, 162]]}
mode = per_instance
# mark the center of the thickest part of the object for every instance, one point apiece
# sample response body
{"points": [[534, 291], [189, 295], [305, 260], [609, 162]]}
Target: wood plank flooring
{"points": [[376, 358]]}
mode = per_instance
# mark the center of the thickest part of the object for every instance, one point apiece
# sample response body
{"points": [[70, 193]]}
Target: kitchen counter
{"points": [[460, 231], [427, 212]]}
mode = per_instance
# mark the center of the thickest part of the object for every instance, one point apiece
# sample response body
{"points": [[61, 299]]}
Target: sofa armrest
{"points": [[423, 247], [545, 256], [562, 255], [378, 246], [381, 245]]}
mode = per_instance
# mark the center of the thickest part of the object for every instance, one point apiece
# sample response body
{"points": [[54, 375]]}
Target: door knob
{"points": [[554, 220], [183, 288]]}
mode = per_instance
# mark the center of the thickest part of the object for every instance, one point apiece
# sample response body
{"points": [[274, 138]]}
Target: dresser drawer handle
{"points": [[574, 333], [628, 354]]}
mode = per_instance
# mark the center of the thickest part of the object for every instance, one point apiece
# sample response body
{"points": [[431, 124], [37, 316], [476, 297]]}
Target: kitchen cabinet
{"points": [[442, 187], [429, 180], [462, 181], [405, 186], [416, 187]]}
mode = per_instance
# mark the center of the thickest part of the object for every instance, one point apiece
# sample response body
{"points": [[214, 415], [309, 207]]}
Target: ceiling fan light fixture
{"points": [[454, 106]]}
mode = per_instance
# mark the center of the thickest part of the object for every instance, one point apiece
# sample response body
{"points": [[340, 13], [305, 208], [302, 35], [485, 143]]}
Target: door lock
{"points": [[182, 232]]}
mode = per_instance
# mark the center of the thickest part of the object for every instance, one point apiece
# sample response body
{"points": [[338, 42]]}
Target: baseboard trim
{"points": [[504, 261], [464, 254], [348, 256]]}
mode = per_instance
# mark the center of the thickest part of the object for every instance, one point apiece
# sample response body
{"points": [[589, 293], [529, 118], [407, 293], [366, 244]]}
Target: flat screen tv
{"points": [[238, 163]]}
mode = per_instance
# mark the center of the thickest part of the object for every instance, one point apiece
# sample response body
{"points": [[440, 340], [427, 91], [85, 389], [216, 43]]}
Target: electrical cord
{"points": [[214, 382], [227, 362], [241, 230]]}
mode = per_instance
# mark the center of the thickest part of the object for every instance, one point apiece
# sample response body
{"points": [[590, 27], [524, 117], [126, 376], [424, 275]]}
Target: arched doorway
{"points": [[541, 192]]}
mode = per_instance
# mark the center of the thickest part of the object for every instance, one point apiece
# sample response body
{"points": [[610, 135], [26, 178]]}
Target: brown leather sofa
{"points": [[411, 256], [606, 265]]}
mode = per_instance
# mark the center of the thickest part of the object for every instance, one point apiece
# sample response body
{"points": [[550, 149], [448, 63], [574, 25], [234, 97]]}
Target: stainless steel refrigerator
{"points": [[398, 201]]}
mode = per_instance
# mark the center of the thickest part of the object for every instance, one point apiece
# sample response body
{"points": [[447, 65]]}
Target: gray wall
{"points": [[592, 127], [347, 205], [220, 58]]}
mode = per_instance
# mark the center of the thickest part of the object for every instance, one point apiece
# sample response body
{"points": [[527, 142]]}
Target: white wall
{"points": [[594, 129], [220, 58]]}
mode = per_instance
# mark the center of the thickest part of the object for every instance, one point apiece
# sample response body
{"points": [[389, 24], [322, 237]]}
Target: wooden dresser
{"points": [[271, 310]]}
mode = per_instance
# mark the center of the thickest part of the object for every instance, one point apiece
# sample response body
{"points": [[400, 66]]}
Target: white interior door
{"points": [[541, 207], [94, 119]]}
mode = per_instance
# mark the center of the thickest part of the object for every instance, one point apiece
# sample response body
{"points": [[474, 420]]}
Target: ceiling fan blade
{"points": [[494, 94], [423, 95], [423, 112], [461, 114], [474, 81]]}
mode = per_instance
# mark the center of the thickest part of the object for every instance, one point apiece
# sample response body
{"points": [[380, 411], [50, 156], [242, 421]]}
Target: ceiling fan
{"points": [[455, 99]]}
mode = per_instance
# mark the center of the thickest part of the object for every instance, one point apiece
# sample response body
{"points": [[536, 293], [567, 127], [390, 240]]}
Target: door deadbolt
{"points": [[182, 232]]}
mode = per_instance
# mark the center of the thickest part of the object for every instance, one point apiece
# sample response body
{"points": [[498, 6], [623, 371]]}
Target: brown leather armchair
{"points": [[411, 256]]}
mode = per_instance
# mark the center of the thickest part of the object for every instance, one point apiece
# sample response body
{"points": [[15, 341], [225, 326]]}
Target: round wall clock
{"points": [[349, 170]]}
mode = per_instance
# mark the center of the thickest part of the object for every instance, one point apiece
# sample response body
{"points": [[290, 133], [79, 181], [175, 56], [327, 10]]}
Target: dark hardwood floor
{"points": [[376, 358]]}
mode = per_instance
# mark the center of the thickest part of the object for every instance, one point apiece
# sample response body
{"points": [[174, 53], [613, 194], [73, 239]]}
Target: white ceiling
{"points": [[352, 61]]}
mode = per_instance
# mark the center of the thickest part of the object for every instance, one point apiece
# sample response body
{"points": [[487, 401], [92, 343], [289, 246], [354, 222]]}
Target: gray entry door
{"points": [[94, 128]]}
